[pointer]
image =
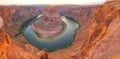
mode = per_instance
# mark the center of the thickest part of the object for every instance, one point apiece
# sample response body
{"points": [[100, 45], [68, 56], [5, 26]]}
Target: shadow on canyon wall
{"points": [[98, 37]]}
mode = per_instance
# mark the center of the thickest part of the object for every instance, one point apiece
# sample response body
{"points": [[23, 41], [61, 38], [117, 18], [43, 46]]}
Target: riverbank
{"points": [[50, 44]]}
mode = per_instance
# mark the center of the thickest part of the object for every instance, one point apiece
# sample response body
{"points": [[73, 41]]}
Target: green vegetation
{"points": [[19, 32], [29, 21], [23, 25]]}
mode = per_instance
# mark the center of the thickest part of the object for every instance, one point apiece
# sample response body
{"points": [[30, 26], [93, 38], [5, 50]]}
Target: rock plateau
{"points": [[49, 24]]}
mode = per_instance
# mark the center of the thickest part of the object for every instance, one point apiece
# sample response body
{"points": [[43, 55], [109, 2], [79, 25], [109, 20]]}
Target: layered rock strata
{"points": [[104, 33], [99, 36], [11, 50], [49, 24]]}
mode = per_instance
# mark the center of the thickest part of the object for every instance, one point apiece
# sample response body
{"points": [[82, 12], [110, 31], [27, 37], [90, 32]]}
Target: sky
{"points": [[32, 2]]}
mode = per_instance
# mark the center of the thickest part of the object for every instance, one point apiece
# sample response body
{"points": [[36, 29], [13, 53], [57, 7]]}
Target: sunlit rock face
{"points": [[3, 43], [11, 50], [98, 37], [49, 24], [104, 34]]}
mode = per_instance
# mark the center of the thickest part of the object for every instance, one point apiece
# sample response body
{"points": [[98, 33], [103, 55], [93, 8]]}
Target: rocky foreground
{"points": [[98, 37]]}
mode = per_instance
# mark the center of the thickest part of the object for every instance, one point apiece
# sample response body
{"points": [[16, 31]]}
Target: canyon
{"points": [[98, 37]]}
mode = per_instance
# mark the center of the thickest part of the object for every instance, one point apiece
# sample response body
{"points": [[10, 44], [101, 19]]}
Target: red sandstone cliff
{"points": [[15, 15], [50, 23], [9, 49], [98, 37], [104, 34], [3, 43]]}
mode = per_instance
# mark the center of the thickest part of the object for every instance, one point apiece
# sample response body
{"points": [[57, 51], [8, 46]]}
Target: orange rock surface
{"points": [[49, 24], [104, 35], [9, 50], [98, 37]]}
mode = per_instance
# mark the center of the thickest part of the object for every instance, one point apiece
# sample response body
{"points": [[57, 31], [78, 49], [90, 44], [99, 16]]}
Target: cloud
{"points": [[25, 2]]}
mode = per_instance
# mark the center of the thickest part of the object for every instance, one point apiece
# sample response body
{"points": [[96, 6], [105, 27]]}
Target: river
{"points": [[62, 40]]}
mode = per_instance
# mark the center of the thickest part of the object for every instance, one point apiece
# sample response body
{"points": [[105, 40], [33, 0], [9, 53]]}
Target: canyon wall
{"points": [[14, 16], [104, 34], [98, 37], [4, 40], [10, 50]]}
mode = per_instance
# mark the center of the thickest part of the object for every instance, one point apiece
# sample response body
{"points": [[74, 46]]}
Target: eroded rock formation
{"points": [[15, 15], [98, 37], [104, 34], [49, 24], [9, 49]]}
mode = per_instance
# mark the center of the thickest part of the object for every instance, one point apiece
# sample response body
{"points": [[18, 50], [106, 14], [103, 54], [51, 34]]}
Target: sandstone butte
{"points": [[98, 37], [49, 24]]}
